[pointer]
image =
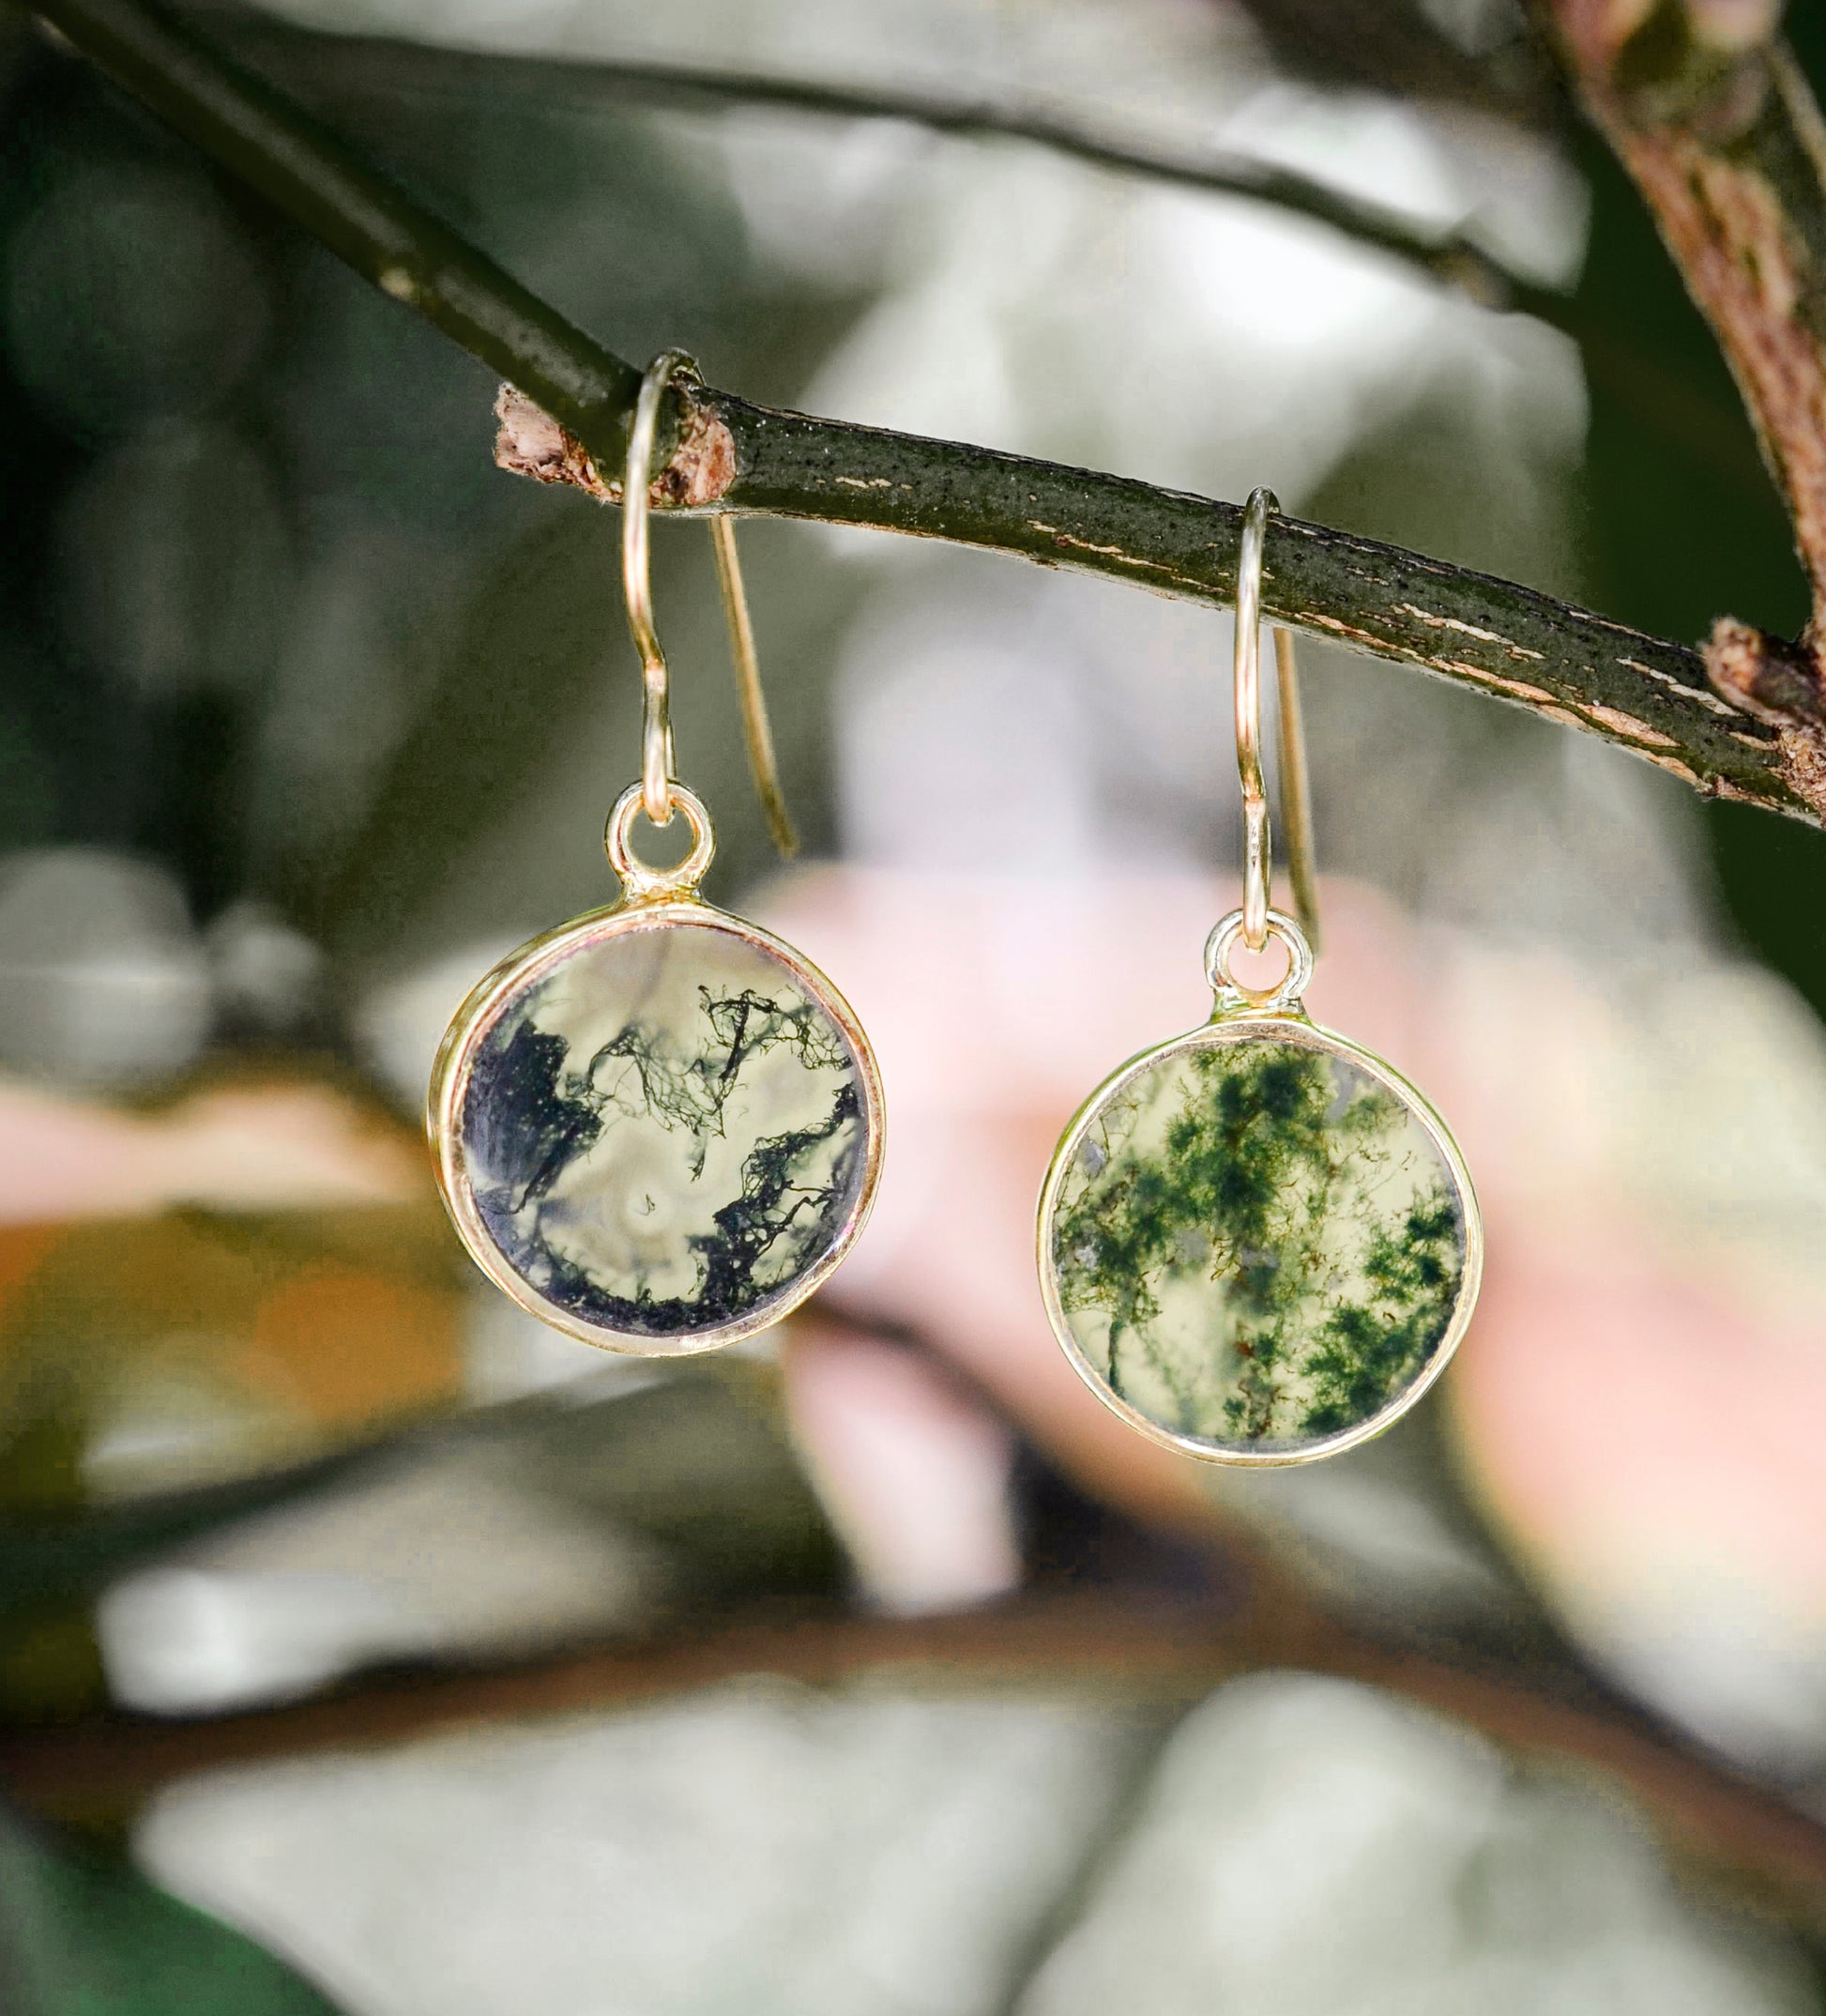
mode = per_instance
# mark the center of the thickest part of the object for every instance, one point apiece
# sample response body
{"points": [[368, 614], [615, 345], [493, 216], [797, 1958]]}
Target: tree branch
{"points": [[383, 65], [277, 148], [1660, 399], [1707, 111], [1497, 637], [1170, 1653], [400, 68], [1401, 50]]}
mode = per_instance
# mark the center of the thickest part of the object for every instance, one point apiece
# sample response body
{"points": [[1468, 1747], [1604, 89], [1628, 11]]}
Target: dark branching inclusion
{"points": [[529, 1117], [1290, 1206]]}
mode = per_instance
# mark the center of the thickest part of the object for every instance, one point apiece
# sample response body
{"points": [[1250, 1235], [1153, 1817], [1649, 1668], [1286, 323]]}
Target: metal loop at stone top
{"points": [[640, 882], [1230, 991]]}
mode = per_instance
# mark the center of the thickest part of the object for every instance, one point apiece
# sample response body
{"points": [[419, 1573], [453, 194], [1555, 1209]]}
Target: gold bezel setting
{"points": [[527, 967], [1285, 1023]]}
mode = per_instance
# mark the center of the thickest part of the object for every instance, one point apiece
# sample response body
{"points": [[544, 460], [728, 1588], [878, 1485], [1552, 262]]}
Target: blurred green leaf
{"points": [[83, 1934], [53, 1560], [701, 1464], [698, 1467]]}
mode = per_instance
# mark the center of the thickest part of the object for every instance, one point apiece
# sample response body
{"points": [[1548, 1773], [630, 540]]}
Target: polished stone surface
{"points": [[1258, 1244], [665, 1132]]}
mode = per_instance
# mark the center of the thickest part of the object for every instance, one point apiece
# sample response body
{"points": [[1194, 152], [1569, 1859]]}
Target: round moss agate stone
{"points": [[1255, 1244], [665, 1132]]}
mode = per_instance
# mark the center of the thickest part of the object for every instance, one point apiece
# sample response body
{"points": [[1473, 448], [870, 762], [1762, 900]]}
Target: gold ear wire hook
{"points": [[637, 589], [1296, 788], [759, 736], [1290, 741], [657, 764]]}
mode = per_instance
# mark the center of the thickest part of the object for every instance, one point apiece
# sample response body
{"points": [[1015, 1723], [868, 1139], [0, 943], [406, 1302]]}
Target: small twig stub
{"points": [[530, 442]]}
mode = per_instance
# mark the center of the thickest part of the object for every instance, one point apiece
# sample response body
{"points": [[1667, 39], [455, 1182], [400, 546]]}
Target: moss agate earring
{"points": [[1259, 1243], [658, 1128]]}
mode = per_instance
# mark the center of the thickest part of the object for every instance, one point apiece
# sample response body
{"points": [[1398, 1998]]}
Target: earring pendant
{"points": [[658, 1128]]}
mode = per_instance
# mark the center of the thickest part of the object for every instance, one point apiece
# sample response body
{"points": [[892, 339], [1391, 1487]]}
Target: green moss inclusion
{"points": [[1257, 1244]]}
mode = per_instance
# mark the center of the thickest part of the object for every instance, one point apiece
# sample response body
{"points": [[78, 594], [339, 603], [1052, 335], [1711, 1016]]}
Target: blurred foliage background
{"points": [[326, 1580]]}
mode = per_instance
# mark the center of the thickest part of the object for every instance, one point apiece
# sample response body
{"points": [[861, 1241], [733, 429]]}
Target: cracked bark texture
{"points": [[1709, 113]]}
